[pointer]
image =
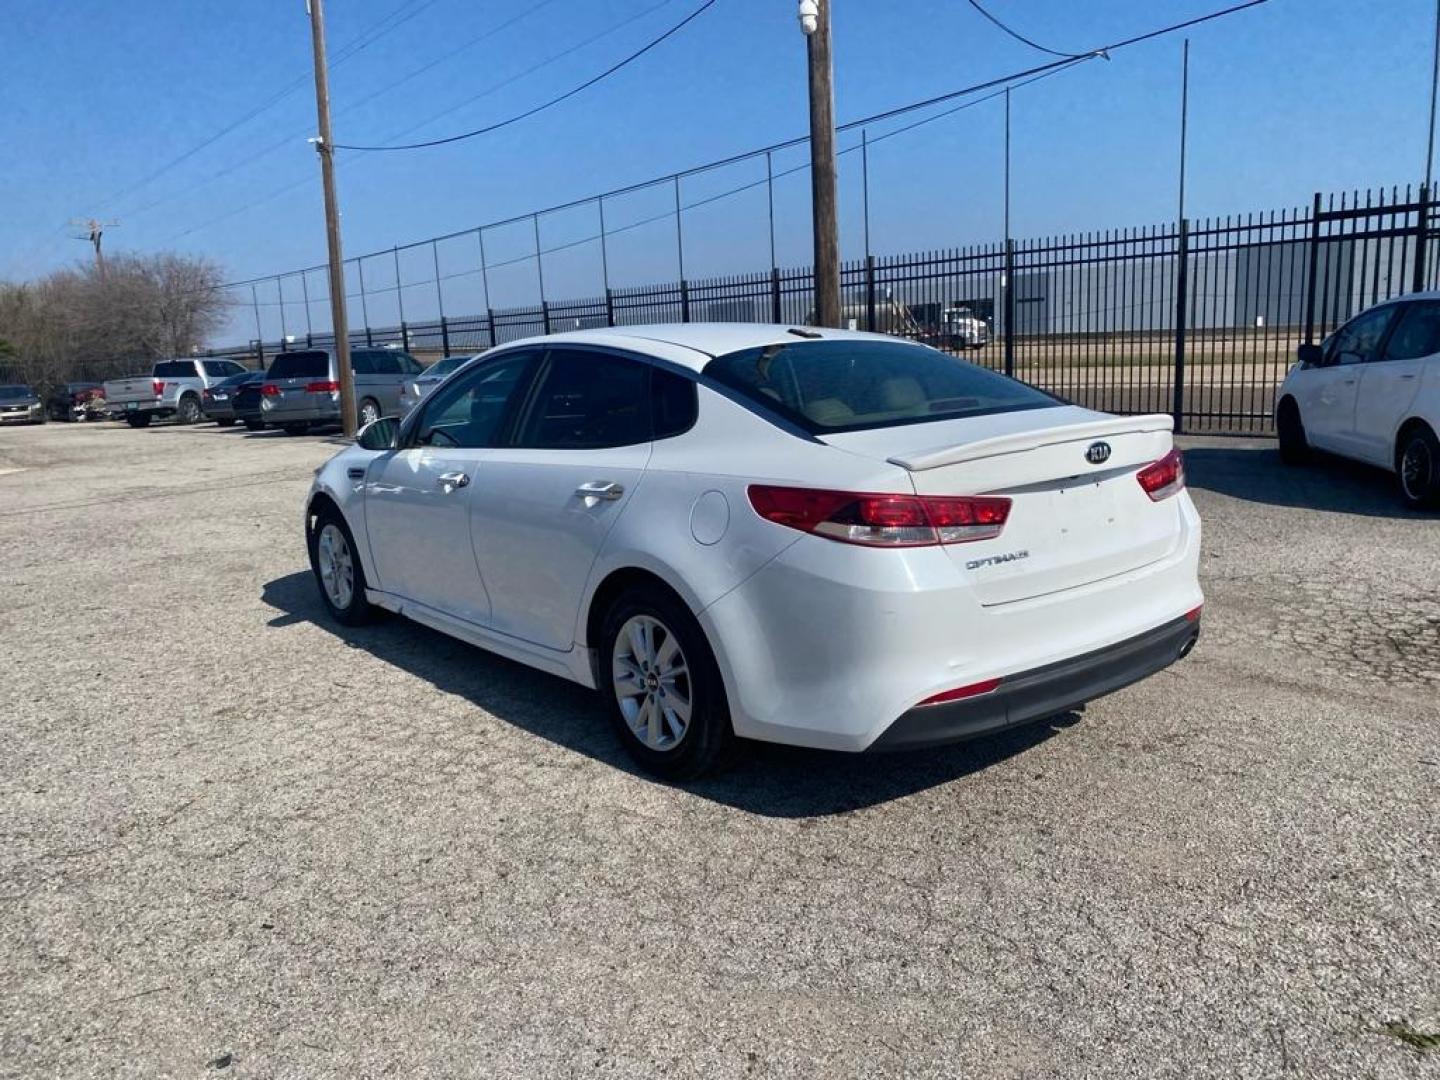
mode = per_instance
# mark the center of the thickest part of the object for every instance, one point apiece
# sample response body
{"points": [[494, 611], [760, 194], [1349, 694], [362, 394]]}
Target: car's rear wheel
{"points": [[337, 569], [662, 686], [369, 411], [1294, 448], [188, 410], [1418, 464], [138, 420], [299, 428]]}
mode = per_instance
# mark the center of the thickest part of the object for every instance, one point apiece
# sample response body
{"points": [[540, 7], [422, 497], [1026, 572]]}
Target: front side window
{"points": [[1417, 334], [469, 412], [1357, 340], [385, 362], [587, 400], [850, 385]]}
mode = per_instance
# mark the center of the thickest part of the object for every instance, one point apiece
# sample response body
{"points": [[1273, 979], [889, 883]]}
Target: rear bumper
{"points": [[1044, 691], [321, 412]]}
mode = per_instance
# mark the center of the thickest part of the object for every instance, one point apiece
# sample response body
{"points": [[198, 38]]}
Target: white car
{"points": [[1371, 391], [817, 537]]}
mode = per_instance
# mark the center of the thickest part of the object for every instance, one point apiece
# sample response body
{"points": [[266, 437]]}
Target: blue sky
{"points": [[1288, 98]]}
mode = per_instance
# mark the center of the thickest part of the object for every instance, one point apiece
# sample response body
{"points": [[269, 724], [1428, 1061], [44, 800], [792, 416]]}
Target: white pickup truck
{"points": [[172, 388]]}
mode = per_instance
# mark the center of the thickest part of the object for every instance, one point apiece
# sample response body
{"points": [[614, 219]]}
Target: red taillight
{"points": [[973, 690], [882, 520], [158, 385], [207, 395], [1163, 478], [1193, 615], [322, 387], [269, 389]]}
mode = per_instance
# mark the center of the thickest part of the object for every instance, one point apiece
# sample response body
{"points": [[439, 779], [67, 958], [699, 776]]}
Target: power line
{"points": [[1021, 37], [553, 101]]}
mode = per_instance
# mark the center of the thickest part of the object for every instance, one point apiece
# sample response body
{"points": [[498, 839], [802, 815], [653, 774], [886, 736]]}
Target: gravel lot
{"points": [[240, 840]]}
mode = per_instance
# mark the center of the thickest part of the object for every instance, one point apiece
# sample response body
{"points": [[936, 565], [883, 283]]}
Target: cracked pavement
{"points": [[241, 840]]}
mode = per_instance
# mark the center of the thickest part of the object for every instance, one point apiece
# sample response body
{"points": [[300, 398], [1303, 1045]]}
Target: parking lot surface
{"points": [[241, 840]]}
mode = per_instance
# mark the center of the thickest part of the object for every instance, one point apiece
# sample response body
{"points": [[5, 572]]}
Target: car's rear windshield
{"points": [[850, 385], [300, 365], [175, 369], [446, 365]]}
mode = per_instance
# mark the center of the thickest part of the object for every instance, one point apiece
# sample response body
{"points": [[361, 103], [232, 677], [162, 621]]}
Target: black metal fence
{"points": [[1198, 319]]}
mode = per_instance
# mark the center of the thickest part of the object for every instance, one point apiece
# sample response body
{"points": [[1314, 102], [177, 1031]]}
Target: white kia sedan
{"points": [[815, 537], [1371, 391]]}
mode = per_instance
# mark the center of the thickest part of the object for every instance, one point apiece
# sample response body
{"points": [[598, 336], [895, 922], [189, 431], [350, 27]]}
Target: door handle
{"points": [[1409, 376], [355, 473], [451, 481], [1349, 382], [600, 489]]}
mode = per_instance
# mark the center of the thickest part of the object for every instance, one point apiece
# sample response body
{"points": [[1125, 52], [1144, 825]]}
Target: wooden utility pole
{"points": [[822, 169], [326, 148], [94, 233]]}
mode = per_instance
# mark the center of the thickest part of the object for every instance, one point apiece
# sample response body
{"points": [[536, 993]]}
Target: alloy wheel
{"points": [[1417, 469], [337, 570], [652, 682], [369, 412]]}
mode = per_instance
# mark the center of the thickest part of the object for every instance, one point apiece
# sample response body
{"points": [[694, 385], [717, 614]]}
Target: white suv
{"points": [[1371, 391]]}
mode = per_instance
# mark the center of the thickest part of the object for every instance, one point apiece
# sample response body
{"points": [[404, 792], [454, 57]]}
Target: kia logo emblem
{"points": [[1097, 453]]}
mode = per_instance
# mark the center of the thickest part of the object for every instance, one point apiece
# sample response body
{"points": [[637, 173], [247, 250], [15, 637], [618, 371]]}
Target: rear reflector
{"points": [[322, 387], [876, 520], [1163, 478], [973, 690], [269, 389]]}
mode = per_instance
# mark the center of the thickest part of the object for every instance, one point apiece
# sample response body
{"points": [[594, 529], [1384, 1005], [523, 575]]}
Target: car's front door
{"points": [[550, 497], [418, 497], [1328, 393], [1391, 380]]}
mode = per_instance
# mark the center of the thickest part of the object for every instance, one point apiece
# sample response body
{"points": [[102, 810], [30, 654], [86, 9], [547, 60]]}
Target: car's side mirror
{"points": [[380, 434], [1310, 355]]}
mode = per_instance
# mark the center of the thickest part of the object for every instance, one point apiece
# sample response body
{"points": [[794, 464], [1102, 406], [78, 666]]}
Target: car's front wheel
{"points": [[662, 686], [1418, 464], [337, 569], [1294, 447]]}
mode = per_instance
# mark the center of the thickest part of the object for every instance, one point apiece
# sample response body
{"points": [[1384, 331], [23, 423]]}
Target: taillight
{"points": [[1163, 478], [269, 389], [961, 692], [158, 385], [883, 520], [207, 395], [322, 387]]}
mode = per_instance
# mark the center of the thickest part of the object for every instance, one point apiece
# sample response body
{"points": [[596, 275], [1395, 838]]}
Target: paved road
{"points": [[239, 840]]}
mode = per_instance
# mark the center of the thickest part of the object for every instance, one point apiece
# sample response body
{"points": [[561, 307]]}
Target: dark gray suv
{"points": [[302, 389]]}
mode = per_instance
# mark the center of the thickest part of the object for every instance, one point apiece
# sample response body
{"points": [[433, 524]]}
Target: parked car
{"points": [[245, 403], [173, 388], [816, 537], [302, 389], [77, 401], [218, 401], [20, 405], [1371, 391], [413, 390]]}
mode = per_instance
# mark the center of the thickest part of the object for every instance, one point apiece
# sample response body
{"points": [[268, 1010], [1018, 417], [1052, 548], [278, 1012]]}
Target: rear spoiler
{"points": [[1022, 441]]}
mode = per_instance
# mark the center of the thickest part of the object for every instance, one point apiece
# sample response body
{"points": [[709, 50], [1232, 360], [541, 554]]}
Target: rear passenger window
{"points": [[362, 361], [588, 400], [672, 402], [1418, 333]]}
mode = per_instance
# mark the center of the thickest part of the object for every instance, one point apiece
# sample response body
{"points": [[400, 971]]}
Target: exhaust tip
{"points": [[1189, 646]]}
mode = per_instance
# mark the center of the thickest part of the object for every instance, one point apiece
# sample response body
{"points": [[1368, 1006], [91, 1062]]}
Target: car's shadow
{"points": [[1257, 474], [774, 781]]}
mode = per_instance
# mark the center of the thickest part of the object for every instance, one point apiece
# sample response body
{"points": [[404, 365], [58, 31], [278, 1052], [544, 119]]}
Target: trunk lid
{"points": [[1074, 519]]}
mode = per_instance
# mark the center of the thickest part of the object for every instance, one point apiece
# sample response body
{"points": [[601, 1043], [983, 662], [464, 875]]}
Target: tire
{"points": [[1294, 448], [298, 428], [665, 742], [226, 421], [367, 412], [188, 410], [254, 425], [339, 577], [1417, 463], [138, 420]]}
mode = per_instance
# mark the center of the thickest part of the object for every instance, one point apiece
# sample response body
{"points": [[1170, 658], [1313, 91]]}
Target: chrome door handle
{"points": [[450, 481], [600, 489]]}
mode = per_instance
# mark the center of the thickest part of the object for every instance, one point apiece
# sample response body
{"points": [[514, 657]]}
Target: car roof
{"points": [[698, 342]]}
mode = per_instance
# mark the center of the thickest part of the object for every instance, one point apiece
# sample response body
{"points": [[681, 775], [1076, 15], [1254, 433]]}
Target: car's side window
{"points": [[1417, 334], [408, 364], [587, 400], [469, 412], [362, 361], [386, 362], [673, 402], [1357, 340]]}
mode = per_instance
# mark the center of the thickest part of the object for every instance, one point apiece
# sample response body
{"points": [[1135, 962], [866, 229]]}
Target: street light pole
{"points": [[815, 22], [326, 148]]}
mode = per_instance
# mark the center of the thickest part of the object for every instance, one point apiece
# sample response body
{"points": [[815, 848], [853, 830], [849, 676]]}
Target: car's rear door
{"points": [[418, 497], [545, 503], [1390, 381]]}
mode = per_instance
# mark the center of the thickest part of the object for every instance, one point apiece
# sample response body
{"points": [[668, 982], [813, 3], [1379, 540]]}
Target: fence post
{"points": [[445, 334], [309, 340], [775, 295], [1182, 289], [1009, 304], [260, 351], [369, 337], [870, 293], [684, 300], [1422, 223], [545, 314], [1312, 270], [490, 324], [609, 306], [404, 336]]}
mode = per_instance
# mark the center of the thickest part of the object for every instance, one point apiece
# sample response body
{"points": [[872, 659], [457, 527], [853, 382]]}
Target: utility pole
{"points": [[94, 232], [1434, 84], [1184, 118], [325, 146], [815, 22]]}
